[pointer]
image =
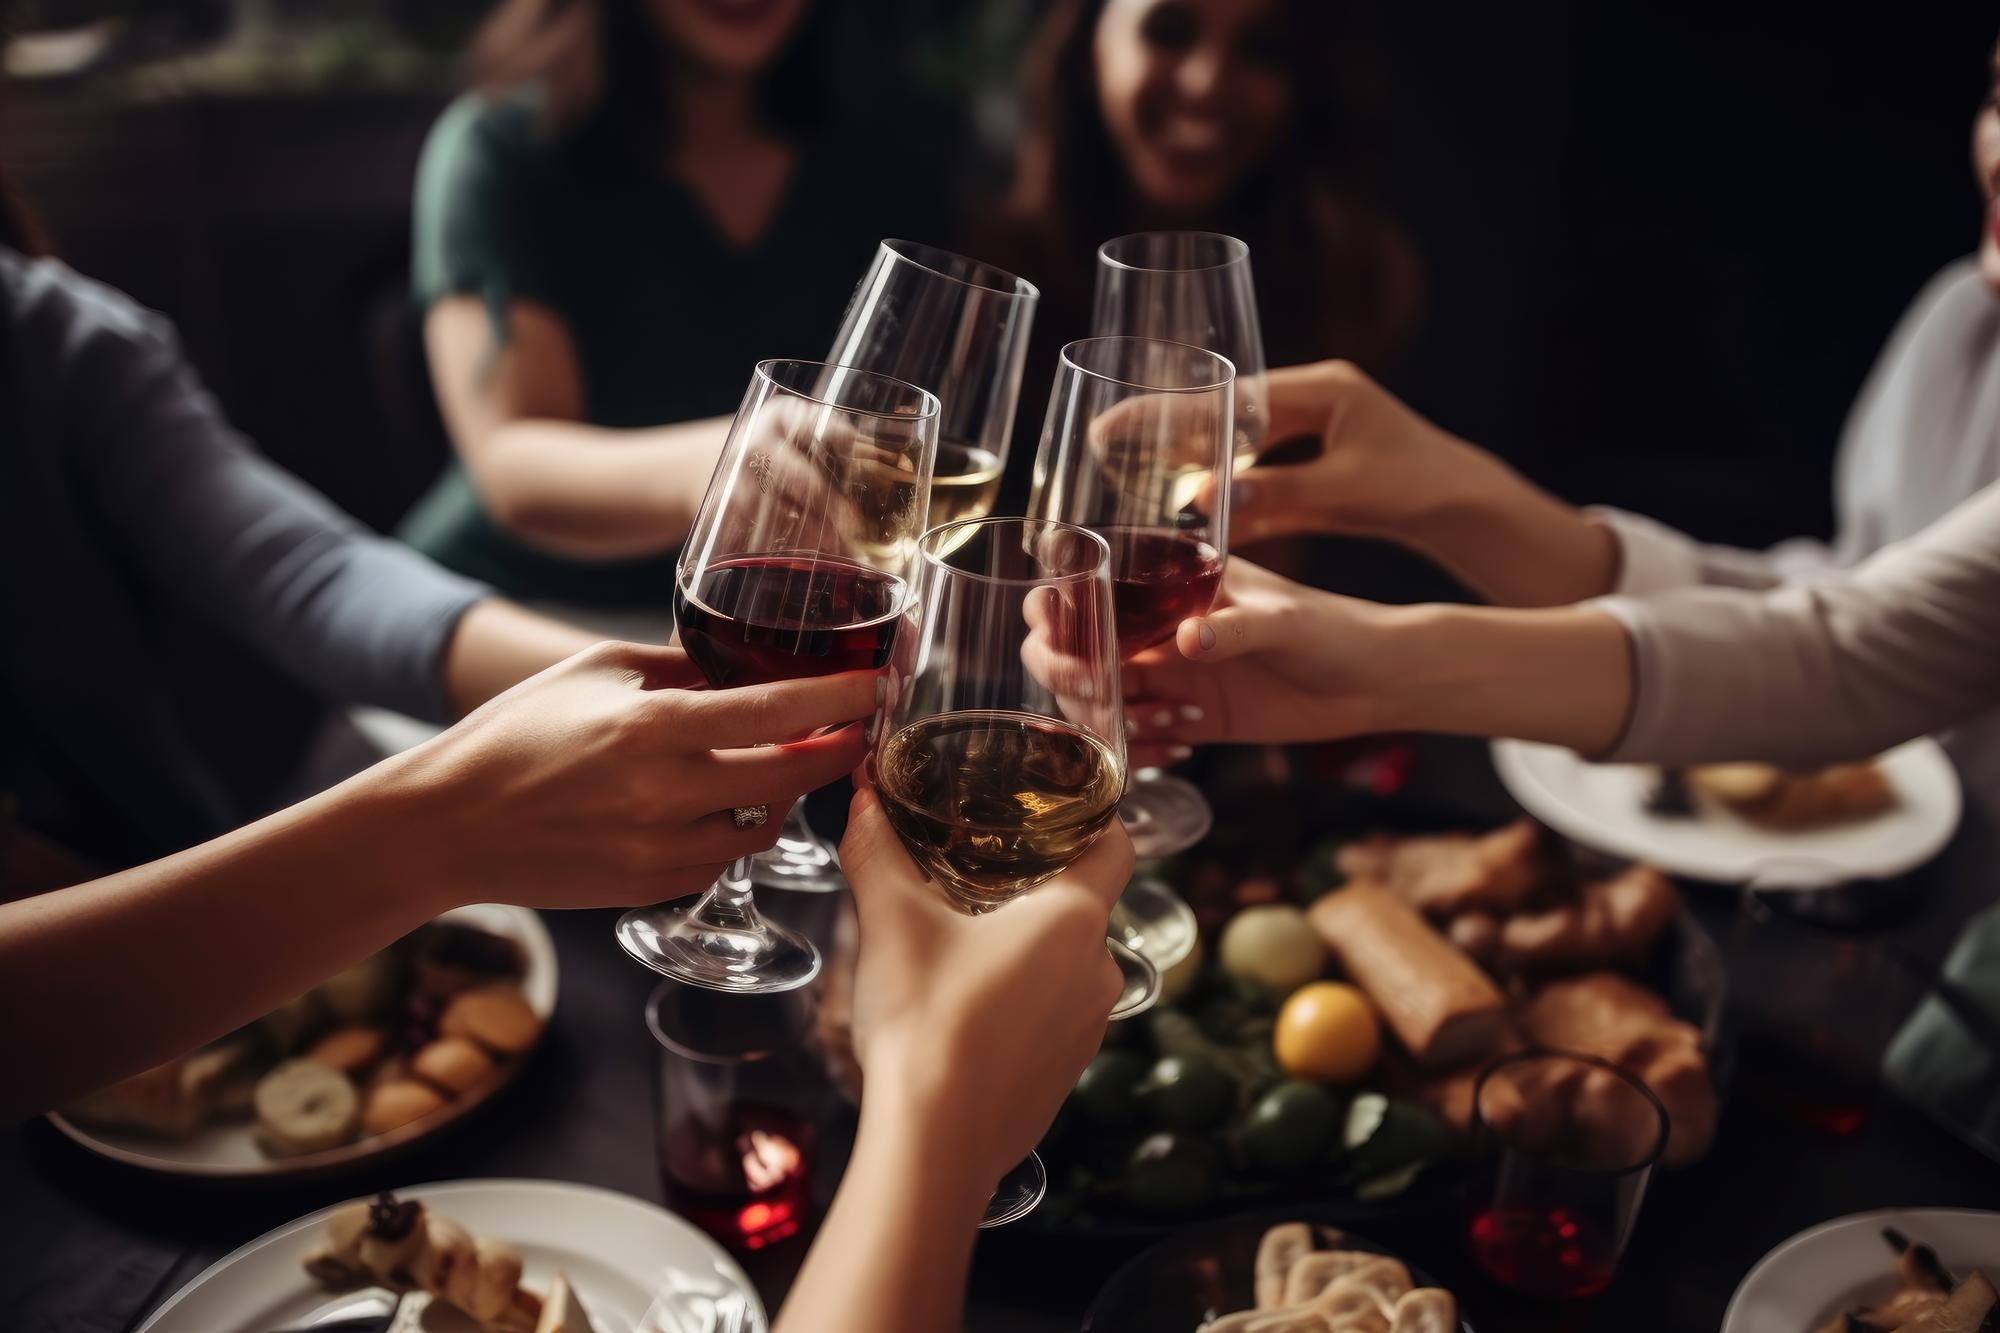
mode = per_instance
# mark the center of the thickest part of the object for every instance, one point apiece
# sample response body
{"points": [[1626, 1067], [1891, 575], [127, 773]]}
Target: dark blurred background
{"points": [[1662, 242]]}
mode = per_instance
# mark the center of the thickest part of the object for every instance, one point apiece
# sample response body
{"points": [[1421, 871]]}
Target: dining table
{"points": [[90, 1246]]}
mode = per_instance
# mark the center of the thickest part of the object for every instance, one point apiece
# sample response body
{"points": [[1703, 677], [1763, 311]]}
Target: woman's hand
{"points": [[978, 1026], [1275, 661], [607, 780]]}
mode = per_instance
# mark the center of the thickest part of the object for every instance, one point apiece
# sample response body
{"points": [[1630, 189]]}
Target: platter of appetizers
{"points": [[1730, 823], [1323, 1038], [1898, 1270], [473, 1256], [381, 1056]]}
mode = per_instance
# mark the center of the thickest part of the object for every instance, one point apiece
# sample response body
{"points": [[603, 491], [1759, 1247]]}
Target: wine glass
{"points": [[1002, 756], [798, 565], [1190, 287], [1136, 447]]}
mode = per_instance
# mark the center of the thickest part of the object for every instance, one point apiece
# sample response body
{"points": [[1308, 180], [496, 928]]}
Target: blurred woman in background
{"points": [[1238, 116], [641, 199]]}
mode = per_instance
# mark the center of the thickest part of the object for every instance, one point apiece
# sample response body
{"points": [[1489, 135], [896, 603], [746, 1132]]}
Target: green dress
{"points": [[668, 315]]}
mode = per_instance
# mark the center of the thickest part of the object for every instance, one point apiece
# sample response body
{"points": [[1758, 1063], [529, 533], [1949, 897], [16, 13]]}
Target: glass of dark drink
{"points": [[1190, 287], [1000, 757], [798, 565], [1817, 1001], [1136, 448], [736, 1091], [1573, 1141]]}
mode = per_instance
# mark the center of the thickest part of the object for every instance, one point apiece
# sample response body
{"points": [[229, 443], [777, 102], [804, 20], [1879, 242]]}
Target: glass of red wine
{"points": [[1190, 287], [736, 1102], [1573, 1140], [1136, 448], [1002, 750], [798, 565]]}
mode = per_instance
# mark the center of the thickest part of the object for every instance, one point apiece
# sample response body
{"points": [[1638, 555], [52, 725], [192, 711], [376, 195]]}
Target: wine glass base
{"points": [[674, 943], [1155, 922], [801, 865], [1141, 981], [1019, 1191], [1164, 815]]}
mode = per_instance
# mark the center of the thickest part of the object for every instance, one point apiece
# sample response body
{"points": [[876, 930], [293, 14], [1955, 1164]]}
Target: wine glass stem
{"points": [[729, 906]]}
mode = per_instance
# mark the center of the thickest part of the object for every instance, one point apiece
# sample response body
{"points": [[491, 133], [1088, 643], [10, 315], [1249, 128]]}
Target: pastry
{"points": [[1281, 1247], [494, 1016], [1449, 873], [455, 1065], [1269, 1321], [1426, 1310], [1436, 999], [1613, 919], [305, 1107], [562, 1312], [1301, 1289], [349, 1049], [1770, 796], [174, 1100], [404, 1246], [393, 1105], [1311, 1274]]}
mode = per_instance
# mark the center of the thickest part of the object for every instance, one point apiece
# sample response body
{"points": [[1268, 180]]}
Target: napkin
{"points": [[1939, 1063]]}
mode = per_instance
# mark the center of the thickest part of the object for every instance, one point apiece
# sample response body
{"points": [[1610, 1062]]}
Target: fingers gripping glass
{"points": [[1190, 287], [1003, 751], [1136, 448], [799, 565]]}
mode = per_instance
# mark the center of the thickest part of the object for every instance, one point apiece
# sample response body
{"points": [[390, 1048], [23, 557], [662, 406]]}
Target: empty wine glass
{"points": [[798, 565], [1136, 448]]}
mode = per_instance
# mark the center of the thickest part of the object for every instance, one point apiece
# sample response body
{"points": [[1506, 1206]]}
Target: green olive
{"points": [[1187, 1092]]}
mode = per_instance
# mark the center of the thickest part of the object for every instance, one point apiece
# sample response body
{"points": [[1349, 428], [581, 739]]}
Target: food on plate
{"points": [[404, 1246], [304, 1107], [1927, 1298], [1775, 798], [362, 1053], [1273, 946], [1327, 1032], [493, 1016], [1615, 918], [562, 1312], [1303, 1288], [1445, 874], [1435, 999]]}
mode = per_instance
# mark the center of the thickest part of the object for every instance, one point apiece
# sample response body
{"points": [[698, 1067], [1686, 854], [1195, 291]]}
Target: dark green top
{"points": [[668, 315]]}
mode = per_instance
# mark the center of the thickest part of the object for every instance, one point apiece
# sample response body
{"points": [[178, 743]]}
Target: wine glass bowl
{"points": [[798, 565]]}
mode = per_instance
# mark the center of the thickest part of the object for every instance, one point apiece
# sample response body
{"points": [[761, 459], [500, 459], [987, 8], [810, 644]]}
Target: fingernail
{"points": [[1241, 492], [1176, 753], [1192, 713], [1163, 718], [1206, 635]]}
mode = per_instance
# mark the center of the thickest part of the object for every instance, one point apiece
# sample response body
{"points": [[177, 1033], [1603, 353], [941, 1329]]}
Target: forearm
{"points": [[496, 645], [592, 493], [1506, 538], [1562, 675], [135, 968], [893, 1253]]}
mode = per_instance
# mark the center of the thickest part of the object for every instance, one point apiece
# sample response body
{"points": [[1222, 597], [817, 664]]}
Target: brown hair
{"points": [[1316, 237], [601, 67]]}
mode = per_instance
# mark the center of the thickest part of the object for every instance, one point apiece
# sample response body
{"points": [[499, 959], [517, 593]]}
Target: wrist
{"points": [[908, 1116], [397, 819], [1512, 542]]}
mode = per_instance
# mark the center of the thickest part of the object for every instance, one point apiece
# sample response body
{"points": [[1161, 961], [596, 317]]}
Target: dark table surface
{"points": [[88, 1247]]}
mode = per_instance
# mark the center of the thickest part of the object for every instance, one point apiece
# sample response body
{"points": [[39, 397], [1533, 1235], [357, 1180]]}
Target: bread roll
{"points": [[1437, 1001]]}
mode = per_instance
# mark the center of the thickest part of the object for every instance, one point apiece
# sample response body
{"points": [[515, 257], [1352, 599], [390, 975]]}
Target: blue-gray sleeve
{"points": [[224, 533]]}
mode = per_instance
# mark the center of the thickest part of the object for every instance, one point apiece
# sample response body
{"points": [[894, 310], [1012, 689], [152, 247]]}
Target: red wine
{"points": [[994, 802], [760, 618], [1159, 578], [1809, 1084], [1544, 1251], [748, 1181]]}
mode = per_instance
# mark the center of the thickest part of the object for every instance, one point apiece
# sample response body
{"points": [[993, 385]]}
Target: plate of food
{"points": [[1920, 1270], [1323, 1039], [1255, 1275], [385, 1054], [1727, 823], [473, 1256]]}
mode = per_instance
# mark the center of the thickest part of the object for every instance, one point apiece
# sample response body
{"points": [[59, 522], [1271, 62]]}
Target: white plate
{"points": [[1818, 1273], [1604, 806], [618, 1252], [230, 1150]]}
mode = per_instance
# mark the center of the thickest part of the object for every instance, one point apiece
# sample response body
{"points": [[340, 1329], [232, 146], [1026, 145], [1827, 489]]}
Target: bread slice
{"points": [[562, 1312]]}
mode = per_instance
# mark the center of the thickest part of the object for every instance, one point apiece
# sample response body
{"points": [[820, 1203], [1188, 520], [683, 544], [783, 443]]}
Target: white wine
{"points": [[993, 802], [964, 485], [1185, 483]]}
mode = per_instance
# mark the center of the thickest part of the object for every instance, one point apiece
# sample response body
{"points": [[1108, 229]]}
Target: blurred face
{"points": [[1986, 166], [727, 36], [1193, 93]]}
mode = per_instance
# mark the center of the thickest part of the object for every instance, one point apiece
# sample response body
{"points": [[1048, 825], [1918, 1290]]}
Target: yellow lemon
{"points": [[1327, 1033]]}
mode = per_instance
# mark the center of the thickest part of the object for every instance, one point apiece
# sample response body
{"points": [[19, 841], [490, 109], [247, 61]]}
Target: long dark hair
{"points": [[1347, 274], [601, 67]]}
